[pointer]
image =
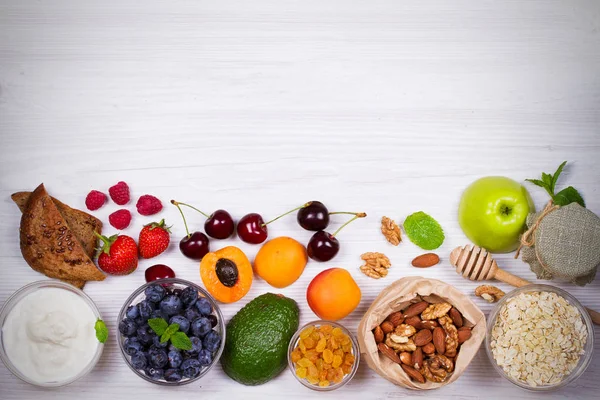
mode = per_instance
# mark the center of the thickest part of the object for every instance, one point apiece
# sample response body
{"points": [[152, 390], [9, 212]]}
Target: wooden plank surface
{"points": [[382, 106]]}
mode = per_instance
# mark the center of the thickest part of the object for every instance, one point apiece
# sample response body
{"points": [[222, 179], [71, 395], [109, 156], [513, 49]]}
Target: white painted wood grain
{"points": [[381, 106]]}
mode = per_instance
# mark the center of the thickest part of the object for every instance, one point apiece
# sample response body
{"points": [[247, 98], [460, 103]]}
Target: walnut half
{"points": [[391, 231], [376, 265], [489, 293]]}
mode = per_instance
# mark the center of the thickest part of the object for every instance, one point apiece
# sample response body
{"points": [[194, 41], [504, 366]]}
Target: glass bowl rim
{"points": [[15, 298], [140, 291], [585, 359], [355, 352]]}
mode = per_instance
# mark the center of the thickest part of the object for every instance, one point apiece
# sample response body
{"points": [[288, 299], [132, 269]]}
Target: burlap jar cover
{"points": [[398, 296]]}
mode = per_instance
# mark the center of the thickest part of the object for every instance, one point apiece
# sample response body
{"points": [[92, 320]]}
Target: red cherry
{"points": [[323, 246], [251, 228], [219, 225], [159, 271], [194, 246]]}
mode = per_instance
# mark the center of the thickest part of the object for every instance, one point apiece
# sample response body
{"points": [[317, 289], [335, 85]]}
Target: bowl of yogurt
{"points": [[47, 334]]}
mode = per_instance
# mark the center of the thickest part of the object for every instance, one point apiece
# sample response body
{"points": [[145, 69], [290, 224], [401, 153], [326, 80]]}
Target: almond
{"points": [[426, 260], [378, 334], [439, 340], [429, 348], [387, 327], [413, 321], [456, 317], [406, 358], [463, 335], [415, 309], [430, 324], [422, 337], [395, 318], [389, 353], [417, 358], [413, 373]]}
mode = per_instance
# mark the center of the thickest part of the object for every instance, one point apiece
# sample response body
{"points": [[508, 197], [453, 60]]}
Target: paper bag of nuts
{"points": [[421, 333]]}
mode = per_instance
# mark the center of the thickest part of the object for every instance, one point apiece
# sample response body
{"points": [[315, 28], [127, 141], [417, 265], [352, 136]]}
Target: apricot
{"points": [[227, 274], [333, 294], [280, 261]]}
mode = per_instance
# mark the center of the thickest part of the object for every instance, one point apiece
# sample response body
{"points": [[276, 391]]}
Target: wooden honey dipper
{"points": [[477, 264]]}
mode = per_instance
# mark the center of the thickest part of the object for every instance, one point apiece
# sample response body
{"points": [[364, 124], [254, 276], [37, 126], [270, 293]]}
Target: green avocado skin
{"points": [[257, 339]]}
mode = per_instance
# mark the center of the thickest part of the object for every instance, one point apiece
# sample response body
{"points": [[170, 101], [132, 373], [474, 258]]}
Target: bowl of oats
{"points": [[540, 338]]}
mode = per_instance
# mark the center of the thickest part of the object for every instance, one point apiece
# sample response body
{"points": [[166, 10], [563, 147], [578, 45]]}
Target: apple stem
{"points": [[289, 212], [356, 215], [192, 207], [176, 204]]}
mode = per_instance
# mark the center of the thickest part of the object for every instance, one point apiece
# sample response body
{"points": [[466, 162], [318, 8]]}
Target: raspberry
{"points": [[148, 205], [120, 219], [119, 193], [94, 200]]}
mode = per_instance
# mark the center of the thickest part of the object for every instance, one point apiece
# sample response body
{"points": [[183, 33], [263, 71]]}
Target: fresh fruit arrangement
{"points": [[333, 294], [172, 335], [424, 338], [323, 354]]}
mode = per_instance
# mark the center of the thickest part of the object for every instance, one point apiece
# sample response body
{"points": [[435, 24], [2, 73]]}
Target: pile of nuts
{"points": [[424, 339]]}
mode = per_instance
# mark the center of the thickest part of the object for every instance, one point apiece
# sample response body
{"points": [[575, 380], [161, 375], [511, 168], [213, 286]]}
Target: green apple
{"points": [[493, 211]]}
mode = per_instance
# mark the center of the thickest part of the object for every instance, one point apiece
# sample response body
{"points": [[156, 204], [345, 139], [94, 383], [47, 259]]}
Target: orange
{"points": [[280, 261]]}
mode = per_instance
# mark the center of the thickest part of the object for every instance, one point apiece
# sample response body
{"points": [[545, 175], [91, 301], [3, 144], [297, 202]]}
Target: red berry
{"points": [[94, 200], [120, 219], [119, 193], [154, 239], [119, 255], [148, 205]]}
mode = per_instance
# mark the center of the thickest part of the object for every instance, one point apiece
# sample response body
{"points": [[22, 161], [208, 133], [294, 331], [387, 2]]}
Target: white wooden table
{"points": [[382, 106]]}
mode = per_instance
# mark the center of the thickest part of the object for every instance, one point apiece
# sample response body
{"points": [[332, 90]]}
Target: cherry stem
{"points": [[356, 215], [289, 212], [176, 204], [190, 206], [345, 212]]}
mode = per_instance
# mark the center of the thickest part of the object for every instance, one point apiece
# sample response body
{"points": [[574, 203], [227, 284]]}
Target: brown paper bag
{"points": [[398, 296]]}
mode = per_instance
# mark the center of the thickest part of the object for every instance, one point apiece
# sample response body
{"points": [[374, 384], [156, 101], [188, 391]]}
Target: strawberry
{"points": [[119, 255], [154, 239]]}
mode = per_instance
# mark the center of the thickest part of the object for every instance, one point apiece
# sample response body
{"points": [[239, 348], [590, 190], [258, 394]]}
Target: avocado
{"points": [[258, 337]]}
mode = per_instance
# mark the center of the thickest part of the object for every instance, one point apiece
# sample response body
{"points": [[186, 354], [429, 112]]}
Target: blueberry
{"points": [[191, 313], [189, 295], [213, 320], [155, 373], [155, 293], [127, 327], [132, 312], [146, 309], [200, 326], [157, 344], [176, 292], [159, 314], [139, 360], [175, 358], [171, 305], [205, 357], [184, 323], [196, 347], [204, 306], [146, 335], [212, 341], [139, 321], [191, 368], [157, 357], [172, 375], [132, 345]]}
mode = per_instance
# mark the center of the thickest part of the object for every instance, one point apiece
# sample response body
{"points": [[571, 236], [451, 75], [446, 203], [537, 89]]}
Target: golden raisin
{"points": [[337, 361], [301, 372], [327, 356], [324, 383], [312, 380], [337, 332], [306, 332], [312, 372], [321, 345], [305, 362], [309, 343], [296, 355]]}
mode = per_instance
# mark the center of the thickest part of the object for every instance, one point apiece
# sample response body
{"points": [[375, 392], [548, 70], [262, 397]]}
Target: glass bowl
{"points": [[585, 358], [15, 299], [355, 353], [171, 284]]}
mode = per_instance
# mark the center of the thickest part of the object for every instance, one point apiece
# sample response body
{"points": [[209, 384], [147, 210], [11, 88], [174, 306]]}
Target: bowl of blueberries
{"points": [[171, 332]]}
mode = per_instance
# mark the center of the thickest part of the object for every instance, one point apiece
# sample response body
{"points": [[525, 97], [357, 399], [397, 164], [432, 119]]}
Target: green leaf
{"points": [[181, 341], [101, 331], [424, 231], [567, 196], [537, 182], [158, 325], [547, 179], [556, 175], [169, 332]]}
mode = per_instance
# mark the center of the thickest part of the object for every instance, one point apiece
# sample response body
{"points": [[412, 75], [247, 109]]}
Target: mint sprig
{"points": [[101, 330], [566, 196], [424, 231], [170, 332]]}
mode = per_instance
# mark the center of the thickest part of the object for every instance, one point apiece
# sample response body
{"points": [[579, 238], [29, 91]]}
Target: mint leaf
{"points": [[158, 325], [101, 331], [556, 175], [567, 196], [424, 231], [171, 329], [181, 341]]}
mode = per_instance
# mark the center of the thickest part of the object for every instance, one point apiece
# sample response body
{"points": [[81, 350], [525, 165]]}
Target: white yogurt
{"points": [[49, 335]]}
